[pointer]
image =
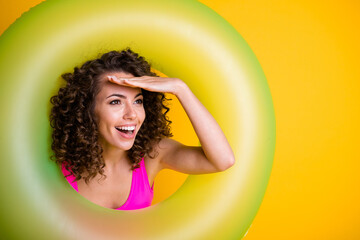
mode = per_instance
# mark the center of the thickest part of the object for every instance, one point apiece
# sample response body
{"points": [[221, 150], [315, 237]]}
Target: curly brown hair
{"points": [[75, 132]]}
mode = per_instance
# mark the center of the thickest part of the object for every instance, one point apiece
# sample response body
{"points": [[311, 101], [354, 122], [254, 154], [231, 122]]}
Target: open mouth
{"points": [[129, 130]]}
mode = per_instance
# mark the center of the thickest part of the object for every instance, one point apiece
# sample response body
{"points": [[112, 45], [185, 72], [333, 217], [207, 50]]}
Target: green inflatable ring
{"points": [[183, 39]]}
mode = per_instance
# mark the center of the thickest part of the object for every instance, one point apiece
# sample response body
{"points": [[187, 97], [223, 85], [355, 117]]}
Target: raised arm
{"points": [[215, 153]]}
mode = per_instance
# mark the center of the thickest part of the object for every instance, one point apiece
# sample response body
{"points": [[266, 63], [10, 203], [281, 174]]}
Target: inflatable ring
{"points": [[183, 39]]}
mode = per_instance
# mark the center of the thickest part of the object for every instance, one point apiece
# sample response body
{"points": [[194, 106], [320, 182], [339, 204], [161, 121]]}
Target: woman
{"points": [[111, 133]]}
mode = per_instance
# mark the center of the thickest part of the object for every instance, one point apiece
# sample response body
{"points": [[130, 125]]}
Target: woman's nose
{"points": [[129, 112]]}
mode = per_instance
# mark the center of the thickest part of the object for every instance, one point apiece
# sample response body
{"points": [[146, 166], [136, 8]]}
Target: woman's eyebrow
{"points": [[122, 96], [117, 95], [137, 95]]}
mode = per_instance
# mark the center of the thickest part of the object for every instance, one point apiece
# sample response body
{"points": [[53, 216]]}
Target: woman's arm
{"points": [[215, 153]]}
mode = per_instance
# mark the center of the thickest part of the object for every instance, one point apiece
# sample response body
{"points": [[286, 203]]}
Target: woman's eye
{"points": [[113, 102], [139, 101]]}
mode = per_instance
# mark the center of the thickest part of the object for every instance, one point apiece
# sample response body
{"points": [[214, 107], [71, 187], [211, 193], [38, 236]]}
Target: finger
{"points": [[136, 83], [143, 78], [146, 82], [113, 79], [116, 80], [128, 82], [137, 80]]}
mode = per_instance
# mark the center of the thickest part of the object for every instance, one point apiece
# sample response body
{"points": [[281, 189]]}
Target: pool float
{"points": [[183, 39]]}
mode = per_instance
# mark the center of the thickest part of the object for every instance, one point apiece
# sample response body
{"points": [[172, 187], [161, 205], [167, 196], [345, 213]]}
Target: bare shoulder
{"points": [[153, 163], [168, 148], [167, 144], [161, 149]]}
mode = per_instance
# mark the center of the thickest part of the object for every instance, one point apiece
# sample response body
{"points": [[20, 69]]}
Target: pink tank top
{"points": [[141, 194]]}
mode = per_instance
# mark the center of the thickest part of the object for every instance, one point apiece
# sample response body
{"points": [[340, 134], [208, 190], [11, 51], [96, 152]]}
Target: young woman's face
{"points": [[119, 113]]}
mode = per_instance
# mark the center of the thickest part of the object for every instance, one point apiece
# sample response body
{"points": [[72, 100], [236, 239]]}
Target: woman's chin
{"points": [[117, 147], [125, 147]]}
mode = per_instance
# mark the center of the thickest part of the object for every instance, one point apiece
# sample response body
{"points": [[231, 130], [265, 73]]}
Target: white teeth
{"points": [[129, 128]]}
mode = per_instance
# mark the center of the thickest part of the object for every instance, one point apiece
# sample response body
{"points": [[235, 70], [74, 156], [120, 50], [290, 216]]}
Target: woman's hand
{"points": [[150, 83]]}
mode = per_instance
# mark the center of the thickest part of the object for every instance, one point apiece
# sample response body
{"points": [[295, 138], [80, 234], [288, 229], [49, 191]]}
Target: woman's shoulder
{"points": [[153, 160], [165, 147]]}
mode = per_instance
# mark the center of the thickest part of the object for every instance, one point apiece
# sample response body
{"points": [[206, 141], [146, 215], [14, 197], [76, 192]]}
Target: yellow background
{"points": [[309, 51]]}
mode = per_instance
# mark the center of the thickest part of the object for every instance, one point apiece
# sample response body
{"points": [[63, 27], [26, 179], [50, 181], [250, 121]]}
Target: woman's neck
{"points": [[114, 158]]}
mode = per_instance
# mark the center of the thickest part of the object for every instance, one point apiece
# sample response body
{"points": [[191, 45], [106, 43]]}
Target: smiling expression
{"points": [[119, 112]]}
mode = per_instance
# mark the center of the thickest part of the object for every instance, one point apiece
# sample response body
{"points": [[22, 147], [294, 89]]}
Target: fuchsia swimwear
{"points": [[141, 194]]}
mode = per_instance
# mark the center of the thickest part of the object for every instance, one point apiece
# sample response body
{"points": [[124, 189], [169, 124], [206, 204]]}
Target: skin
{"points": [[214, 155]]}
